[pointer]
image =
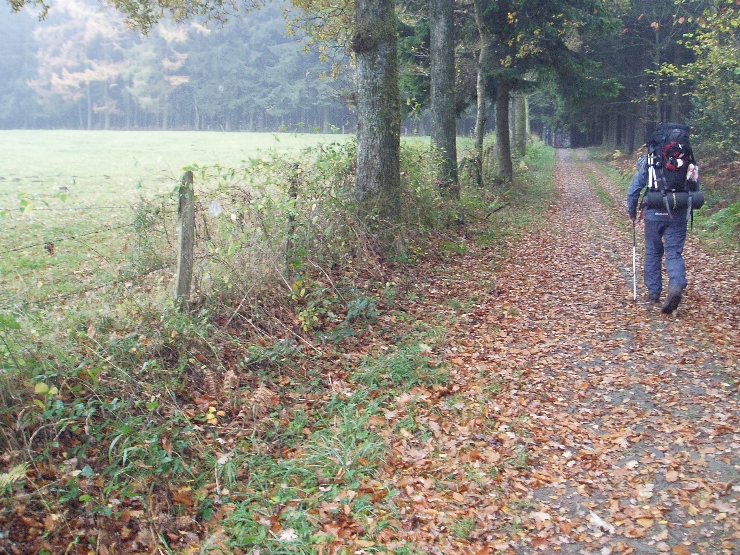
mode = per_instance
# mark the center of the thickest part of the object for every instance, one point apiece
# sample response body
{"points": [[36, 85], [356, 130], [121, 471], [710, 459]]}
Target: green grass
{"points": [[60, 183], [109, 164], [720, 229], [600, 191], [70, 200]]}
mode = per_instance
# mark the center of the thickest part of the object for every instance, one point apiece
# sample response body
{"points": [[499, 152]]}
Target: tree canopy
{"points": [[714, 75]]}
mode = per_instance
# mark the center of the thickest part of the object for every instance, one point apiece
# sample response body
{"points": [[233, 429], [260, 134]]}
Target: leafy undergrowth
{"points": [[502, 395]]}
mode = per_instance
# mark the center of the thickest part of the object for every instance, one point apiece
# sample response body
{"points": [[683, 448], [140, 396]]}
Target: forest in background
{"points": [[83, 68]]}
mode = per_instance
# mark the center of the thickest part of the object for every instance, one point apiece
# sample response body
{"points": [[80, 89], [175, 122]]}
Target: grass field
{"points": [[122, 164], [66, 197]]}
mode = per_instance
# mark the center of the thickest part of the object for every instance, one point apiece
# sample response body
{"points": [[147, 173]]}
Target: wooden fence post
{"points": [[186, 240], [295, 180]]}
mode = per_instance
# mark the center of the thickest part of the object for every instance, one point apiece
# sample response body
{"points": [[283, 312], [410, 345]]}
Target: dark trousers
{"points": [[664, 237]]}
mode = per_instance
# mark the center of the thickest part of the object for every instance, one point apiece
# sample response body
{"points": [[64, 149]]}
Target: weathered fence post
{"points": [[295, 180], [186, 239]]}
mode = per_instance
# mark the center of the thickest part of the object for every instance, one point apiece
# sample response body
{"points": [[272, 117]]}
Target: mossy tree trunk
{"points": [[520, 124], [378, 180], [443, 107], [504, 169]]}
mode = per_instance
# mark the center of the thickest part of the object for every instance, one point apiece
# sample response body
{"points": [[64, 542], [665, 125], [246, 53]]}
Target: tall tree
{"points": [[715, 74], [649, 38], [375, 44], [373, 40], [248, 74], [17, 66], [156, 70], [504, 166], [77, 58], [413, 53], [657, 28], [443, 105], [519, 125], [481, 92]]}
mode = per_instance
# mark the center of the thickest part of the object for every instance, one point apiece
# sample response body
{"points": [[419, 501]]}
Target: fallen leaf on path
{"points": [[540, 518], [597, 522]]}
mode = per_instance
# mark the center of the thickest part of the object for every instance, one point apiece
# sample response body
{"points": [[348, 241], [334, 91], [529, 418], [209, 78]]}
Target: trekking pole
{"points": [[634, 262]]}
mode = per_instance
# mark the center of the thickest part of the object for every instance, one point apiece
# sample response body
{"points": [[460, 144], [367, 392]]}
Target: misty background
{"points": [[83, 68]]}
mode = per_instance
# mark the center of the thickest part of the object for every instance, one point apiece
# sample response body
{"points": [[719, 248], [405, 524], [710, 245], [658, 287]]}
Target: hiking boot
{"points": [[672, 299], [653, 297]]}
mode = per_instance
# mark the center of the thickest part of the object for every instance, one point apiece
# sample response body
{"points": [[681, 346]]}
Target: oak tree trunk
{"points": [[375, 40], [504, 169], [443, 108]]}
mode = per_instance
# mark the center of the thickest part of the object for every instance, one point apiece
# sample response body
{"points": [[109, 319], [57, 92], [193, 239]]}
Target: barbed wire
{"points": [[69, 238], [72, 208], [9, 302]]}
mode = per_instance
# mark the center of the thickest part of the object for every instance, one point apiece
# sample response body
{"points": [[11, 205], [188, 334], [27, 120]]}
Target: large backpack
{"points": [[669, 150], [673, 181]]}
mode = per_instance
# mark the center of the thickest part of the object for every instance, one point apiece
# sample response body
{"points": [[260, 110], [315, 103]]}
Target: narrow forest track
{"points": [[575, 420]]}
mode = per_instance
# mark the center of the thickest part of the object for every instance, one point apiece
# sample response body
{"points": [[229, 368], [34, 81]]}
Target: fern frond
{"points": [[15, 474]]}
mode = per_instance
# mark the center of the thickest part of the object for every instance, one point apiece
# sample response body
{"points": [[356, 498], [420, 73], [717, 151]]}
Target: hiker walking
{"points": [[670, 174]]}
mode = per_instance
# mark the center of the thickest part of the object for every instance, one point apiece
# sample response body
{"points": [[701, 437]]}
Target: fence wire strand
{"points": [[69, 238]]}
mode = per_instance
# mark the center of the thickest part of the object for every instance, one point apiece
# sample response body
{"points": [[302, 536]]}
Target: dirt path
{"points": [[576, 421]]}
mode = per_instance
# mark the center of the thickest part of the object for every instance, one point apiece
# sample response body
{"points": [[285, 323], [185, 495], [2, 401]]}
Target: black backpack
{"points": [[670, 153], [673, 176]]}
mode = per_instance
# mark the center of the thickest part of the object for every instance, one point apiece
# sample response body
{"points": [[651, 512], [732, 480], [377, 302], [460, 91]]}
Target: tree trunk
{"points": [[481, 115], [443, 132], [678, 105], [637, 137], [631, 133], [504, 169], [127, 96], [480, 90], [656, 67], [611, 130], [375, 42], [520, 124], [106, 98]]}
